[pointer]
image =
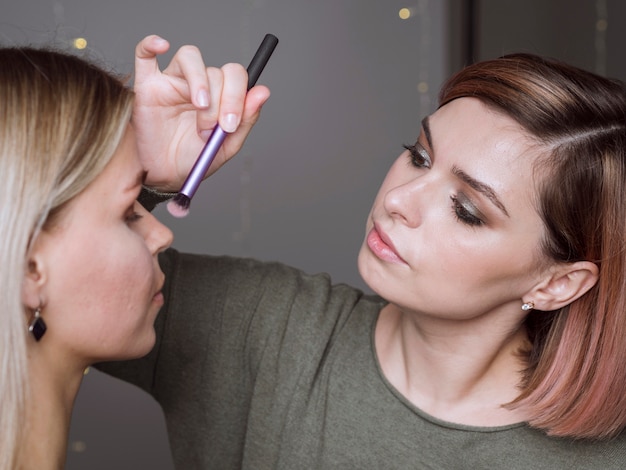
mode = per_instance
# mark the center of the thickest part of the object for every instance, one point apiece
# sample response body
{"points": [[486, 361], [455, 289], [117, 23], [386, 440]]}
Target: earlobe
{"points": [[567, 283]]}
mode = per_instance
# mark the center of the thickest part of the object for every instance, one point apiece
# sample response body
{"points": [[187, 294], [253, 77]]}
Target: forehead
{"points": [[477, 131], [488, 145], [473, 120], [121, 175], [124, 165], [117, 183]]}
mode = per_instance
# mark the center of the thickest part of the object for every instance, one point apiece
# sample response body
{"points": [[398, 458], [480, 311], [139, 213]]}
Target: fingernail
{"points": [[159, 40], [229, 122], [203, 99]]}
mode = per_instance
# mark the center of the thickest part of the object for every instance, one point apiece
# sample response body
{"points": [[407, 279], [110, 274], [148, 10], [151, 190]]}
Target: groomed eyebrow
{"points": [[482, 188], [429, 138]]}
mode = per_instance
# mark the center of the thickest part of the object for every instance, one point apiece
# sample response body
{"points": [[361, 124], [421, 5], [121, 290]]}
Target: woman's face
{"points": [[453, 231], [103, 281]]}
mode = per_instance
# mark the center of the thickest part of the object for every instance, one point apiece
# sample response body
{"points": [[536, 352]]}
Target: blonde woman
{"points": [[80, 276]]}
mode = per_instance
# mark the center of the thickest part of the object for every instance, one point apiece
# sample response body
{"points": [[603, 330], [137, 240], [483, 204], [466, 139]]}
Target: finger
{"points": [[146, 52], [233, 96], [207, 118], [188, 64], [255, 99]]}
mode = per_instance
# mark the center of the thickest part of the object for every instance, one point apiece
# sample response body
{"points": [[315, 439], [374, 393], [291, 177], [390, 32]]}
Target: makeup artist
{"points": [[497, 338]]}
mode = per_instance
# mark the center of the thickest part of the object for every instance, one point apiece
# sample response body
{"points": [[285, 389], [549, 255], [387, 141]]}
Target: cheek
{"points": [[127, 278], [103, 288], [117, 264], [490, 266]]}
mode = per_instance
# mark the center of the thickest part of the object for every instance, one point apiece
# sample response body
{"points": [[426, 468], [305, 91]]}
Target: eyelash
{"points": [[132, 215], [419, 160], [463, 215]]}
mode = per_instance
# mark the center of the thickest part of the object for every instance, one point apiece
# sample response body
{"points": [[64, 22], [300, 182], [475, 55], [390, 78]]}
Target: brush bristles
{"points": [[179, 205]]}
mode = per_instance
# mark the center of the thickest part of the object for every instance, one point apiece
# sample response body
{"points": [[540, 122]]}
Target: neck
{"points": [[48, 413], [461, 372]]}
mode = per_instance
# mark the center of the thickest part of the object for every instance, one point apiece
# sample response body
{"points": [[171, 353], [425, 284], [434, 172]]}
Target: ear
{"points": [[35, 279], [568, 282]]}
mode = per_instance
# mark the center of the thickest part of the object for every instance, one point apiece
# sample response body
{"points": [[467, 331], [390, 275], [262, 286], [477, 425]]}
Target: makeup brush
{"points": [[179, 205]]}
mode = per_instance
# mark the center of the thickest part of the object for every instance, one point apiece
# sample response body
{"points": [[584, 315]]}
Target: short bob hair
{"points": [[575, 382]]}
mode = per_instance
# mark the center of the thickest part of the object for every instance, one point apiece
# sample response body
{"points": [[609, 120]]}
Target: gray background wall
{"points": [[350, 82], [587, 33]]}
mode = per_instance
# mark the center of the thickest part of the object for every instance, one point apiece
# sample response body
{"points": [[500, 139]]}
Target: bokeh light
{"points": [[80, 43]]}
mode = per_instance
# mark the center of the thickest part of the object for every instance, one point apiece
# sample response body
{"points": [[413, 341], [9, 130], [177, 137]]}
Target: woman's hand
{"points": [[176, 109]]}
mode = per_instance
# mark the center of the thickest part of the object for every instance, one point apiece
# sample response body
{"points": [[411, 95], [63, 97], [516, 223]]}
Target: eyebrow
{"points": [[482, 188], [429, 137]]}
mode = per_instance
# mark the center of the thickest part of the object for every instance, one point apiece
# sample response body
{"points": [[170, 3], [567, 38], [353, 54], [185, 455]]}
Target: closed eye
{"points": [[418, 155], [465, 211], [131, 215]]}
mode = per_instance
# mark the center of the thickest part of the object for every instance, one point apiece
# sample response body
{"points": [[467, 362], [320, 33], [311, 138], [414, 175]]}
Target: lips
{"points": [[158, 297], [382, 246]]}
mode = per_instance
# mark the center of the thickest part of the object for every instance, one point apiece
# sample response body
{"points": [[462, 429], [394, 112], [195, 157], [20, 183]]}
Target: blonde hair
{"points": [[62, 120]]}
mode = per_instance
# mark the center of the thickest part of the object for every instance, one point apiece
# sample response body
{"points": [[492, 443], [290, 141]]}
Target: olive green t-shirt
{"points": [[260, 366]]}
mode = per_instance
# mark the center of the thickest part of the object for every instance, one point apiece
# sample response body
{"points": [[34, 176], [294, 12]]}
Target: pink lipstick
{"points": [[382, 246]]}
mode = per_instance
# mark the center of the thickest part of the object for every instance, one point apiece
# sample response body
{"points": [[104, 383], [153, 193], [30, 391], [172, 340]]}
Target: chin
{"points": [[146, 345], [363, 271], [139, 346]]}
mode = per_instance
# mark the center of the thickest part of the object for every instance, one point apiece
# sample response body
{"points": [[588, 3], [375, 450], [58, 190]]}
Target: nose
{"points": [[406, 201], [158, 237]]}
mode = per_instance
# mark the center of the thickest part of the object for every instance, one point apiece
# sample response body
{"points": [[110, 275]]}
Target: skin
{"points": [[436, 247], [456, 265]]}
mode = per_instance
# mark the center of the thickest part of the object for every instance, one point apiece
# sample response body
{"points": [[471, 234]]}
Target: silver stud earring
{"points": [[528, 306], [37, 327]]}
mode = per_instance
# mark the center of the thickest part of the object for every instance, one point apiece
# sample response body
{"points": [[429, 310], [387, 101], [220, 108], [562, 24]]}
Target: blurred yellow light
{"points": [[422, 87], [404, 13], [80, 43]]}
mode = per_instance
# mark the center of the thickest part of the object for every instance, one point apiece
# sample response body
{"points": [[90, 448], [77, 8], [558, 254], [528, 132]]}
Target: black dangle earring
{"points": [[37, 326]]}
